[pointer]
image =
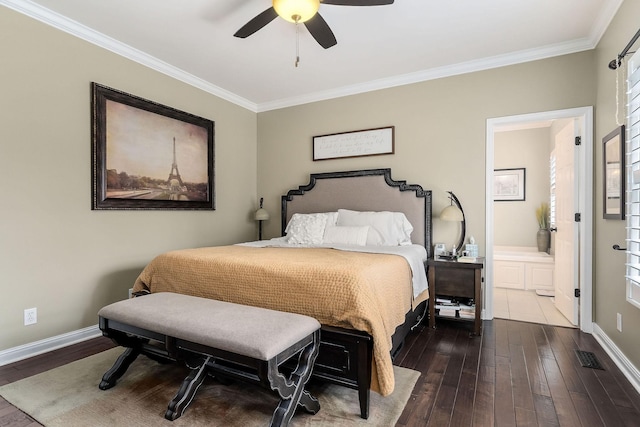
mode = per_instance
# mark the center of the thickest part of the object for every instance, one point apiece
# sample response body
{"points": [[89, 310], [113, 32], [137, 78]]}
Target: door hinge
{"points": [[578, 217], [576, 293], [578, 140]]}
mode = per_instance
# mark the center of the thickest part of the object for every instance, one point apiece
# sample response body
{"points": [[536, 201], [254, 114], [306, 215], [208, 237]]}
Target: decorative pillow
{"points": [[385, 228], [346, 235], [308, 229]]}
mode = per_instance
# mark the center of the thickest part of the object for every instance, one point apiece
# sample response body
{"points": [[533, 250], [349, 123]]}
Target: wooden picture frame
{"points": [[509, 185], [613, 172], [149, 156], [368, 142]]}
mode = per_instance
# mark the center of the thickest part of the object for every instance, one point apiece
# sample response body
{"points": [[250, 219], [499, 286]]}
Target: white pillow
{"points": [[346, 235], [403, 228], [386, 228], [308, 229]]}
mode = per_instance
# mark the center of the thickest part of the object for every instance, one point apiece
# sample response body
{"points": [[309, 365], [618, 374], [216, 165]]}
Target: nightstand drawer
{"points": [[459, 282], [455, 282]]}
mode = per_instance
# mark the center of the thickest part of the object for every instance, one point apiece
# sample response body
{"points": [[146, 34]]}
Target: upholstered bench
{"points": [[216, 338]]}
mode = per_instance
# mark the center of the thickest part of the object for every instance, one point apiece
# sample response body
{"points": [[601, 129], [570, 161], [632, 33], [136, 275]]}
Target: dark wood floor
{"points": [[516, 374]]}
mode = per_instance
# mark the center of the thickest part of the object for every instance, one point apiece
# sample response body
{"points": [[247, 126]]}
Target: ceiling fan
{"points": [[303, 11]]}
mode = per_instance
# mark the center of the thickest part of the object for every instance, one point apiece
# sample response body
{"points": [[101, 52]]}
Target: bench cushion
{"points": [[250, 331]]}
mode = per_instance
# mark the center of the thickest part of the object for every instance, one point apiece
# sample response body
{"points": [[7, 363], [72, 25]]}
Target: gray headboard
{"points": [[363, 190]]}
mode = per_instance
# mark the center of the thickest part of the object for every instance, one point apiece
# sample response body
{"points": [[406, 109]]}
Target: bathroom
{"points": [[524, 268]]}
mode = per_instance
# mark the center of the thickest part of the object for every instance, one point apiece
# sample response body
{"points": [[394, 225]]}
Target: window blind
{"points": [[632, 151], [552, 189]]}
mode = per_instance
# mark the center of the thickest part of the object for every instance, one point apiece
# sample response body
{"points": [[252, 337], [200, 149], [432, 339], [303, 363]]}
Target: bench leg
{"points": [[187, 391], [119, 368], [292, 390]]}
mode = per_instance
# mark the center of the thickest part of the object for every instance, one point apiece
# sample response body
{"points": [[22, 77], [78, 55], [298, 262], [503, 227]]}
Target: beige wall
{"points": [[609, 283], [58, 255], [55, 253], [515, 222], [440, 143], [440, 131]]}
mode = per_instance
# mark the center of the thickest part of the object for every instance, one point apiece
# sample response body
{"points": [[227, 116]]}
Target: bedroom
{"points": [[59, 256]]}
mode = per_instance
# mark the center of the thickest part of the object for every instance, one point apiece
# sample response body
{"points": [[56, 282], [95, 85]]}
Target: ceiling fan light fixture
{"points": [[296, 10]]}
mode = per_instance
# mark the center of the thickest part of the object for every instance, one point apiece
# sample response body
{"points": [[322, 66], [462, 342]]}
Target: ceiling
{"points": [[378, 47]]}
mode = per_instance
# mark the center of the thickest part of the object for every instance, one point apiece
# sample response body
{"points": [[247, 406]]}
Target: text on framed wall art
{"points": [[369, 142]]}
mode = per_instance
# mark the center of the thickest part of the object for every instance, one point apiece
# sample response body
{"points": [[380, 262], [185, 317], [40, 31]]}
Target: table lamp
{"points": [[455, 213], [261, 215]]}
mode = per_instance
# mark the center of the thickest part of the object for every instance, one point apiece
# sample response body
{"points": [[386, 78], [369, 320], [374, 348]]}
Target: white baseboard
{"points": [[16, 354], [38, 347], [628, 369]]}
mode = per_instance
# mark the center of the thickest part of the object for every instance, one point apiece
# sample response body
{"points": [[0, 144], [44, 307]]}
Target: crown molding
{"points": [[74, 28], [598, 30], [604, 19], [85, 33], [436, 73]]}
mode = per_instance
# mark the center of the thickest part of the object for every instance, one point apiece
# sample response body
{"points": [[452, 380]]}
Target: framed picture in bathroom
{"points": [[613, 187], [509, 184]]}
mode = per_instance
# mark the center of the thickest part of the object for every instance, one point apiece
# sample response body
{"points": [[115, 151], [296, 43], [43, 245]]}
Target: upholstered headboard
{"points": [[363, 190]]}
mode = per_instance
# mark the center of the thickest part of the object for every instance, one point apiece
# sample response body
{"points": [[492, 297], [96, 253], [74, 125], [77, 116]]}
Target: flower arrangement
{"points": [[542, 215]]}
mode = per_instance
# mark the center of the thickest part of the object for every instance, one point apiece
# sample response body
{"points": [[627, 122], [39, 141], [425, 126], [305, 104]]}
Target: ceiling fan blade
{"points": [[256, 23], [320, 31], [357, 2]]}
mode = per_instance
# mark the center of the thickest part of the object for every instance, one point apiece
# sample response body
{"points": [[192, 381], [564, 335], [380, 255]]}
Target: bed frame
{"points": [[345, 354]]}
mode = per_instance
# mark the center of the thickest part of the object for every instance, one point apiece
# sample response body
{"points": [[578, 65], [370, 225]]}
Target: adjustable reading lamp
{"points": [[455, 213]]}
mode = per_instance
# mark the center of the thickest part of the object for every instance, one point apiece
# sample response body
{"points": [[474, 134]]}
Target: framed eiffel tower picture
{"points": [[149, 156]]}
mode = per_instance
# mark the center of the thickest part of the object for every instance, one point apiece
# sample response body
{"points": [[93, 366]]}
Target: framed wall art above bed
{"points": [[357, 143], [149, 156]]}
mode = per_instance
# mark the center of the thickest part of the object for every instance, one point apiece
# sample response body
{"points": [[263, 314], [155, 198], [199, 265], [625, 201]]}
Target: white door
{"points": [[566, 236]]}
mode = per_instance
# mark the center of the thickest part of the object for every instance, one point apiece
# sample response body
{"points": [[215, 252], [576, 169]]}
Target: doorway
{"points": [[583, 200]]}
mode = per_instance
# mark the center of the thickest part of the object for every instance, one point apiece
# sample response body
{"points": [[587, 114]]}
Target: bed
{"points": [[367, 301]]}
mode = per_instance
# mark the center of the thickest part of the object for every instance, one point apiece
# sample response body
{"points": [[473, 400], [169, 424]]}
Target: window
{"points": [[552, 188], [633, 181]]}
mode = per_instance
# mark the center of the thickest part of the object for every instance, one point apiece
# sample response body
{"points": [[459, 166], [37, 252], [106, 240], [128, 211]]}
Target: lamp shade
{"points": [[296, 10], [261, 215], [454, 212], [451, 213]]}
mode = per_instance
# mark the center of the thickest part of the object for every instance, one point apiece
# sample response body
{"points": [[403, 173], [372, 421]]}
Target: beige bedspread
{"points": [[364, 291]]}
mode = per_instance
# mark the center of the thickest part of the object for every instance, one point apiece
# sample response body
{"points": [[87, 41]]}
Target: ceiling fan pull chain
{"points": [[297, 43]]}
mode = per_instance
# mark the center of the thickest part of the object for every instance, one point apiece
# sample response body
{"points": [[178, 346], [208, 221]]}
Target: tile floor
{"points": [[526, 306]]}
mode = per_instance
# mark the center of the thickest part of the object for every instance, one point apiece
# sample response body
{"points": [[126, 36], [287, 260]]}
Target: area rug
{"points": [[69, 396]]}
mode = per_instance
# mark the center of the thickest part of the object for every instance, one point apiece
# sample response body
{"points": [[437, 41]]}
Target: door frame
{"points": [[584, 172]]}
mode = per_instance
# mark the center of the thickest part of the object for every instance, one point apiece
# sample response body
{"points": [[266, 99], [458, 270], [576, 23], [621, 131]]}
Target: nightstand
{"points": [[456, 282]]}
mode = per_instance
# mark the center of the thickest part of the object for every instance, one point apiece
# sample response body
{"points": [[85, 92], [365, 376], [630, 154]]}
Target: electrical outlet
{"points": [[619, 322], [30, 316]]}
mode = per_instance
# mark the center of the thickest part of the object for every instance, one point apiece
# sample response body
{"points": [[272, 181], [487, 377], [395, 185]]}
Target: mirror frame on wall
{"points": [[613, 183]]}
